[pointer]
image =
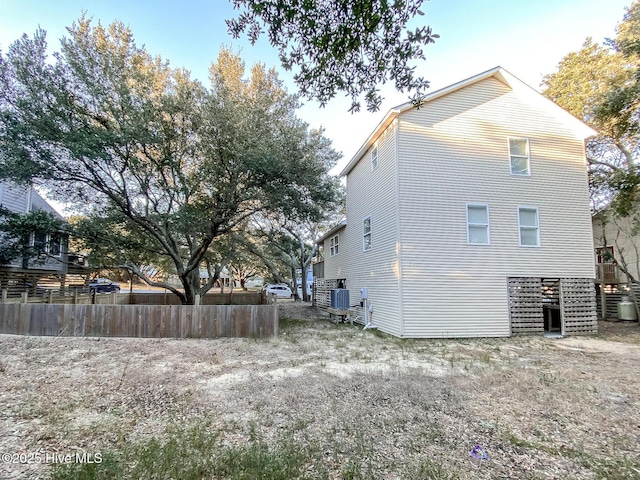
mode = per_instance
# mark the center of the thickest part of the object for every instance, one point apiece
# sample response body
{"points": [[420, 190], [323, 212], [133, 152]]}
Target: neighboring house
{"points": [[617, 241], [25, 199], [469, 216]]}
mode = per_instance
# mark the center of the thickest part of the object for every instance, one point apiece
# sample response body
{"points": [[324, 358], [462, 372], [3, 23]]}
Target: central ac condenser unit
{"points": [[340, 298]]}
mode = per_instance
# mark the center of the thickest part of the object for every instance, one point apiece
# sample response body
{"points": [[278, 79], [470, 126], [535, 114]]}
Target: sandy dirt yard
{"points": [[358, 404]]}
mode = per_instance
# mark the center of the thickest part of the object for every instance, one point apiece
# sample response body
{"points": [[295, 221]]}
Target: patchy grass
{"points": [[324, 401]]}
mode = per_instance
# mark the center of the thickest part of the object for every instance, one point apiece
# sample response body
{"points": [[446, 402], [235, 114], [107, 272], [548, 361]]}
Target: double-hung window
{"points": [[366, 234], [44, 243], [478, 224], [39, 242], [519, 156], [374, 158], [55, 245], [334, 245], [529, 226]]}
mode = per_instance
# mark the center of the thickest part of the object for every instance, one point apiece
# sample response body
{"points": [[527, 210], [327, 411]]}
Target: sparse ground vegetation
{"points": [[324, 401]]}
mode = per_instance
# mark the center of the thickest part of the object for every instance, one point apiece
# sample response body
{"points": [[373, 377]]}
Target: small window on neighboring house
{"points": [[478, 224], [40, 241], [529, 227], [366, 234], [374, 158], [519, 156], [334, 245], [55, 245], [605, 254]]}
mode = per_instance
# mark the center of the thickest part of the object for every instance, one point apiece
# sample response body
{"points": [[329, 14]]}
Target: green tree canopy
{"points": [[160, 164], [599, 85], [341, 45]]}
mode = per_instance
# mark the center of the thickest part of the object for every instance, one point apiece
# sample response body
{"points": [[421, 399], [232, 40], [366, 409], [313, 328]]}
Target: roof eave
{"points": [[332, 232]]}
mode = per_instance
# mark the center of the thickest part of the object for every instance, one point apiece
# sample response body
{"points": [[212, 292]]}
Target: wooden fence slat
{"points": [[209, 321], [525, 306], [578, 304]]}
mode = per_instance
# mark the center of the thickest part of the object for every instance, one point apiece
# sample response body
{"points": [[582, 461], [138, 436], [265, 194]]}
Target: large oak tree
{"points": [[160, 165]]}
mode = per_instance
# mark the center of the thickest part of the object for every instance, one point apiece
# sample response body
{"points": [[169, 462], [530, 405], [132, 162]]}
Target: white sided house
{"points": [[469, 216], [25, 199]]}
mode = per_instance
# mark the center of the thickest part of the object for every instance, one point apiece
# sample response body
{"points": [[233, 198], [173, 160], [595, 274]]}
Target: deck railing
{"points": [[609, 273]]}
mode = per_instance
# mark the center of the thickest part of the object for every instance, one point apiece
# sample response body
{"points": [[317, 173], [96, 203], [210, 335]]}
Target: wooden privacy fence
{"points": [[155, 321], [229, 298], [125, 298]]}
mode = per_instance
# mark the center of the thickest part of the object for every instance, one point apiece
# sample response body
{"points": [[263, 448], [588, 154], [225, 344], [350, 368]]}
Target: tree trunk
{"points": [[191, 284], [294, 283]]}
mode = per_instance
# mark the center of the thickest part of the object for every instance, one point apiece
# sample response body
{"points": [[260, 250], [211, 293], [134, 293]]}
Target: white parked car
{"points": [[280, 290]]}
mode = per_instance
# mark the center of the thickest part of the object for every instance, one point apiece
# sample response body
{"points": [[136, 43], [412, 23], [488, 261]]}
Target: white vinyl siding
{"points": [[454, 147], [478, 224], [529, 227], [377, 269], [334, 266], [333, 249], [15, 198], [367, 234], [519, 156]]}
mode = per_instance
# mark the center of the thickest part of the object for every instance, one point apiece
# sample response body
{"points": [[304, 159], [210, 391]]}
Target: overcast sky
{"points": [[526, 37]]}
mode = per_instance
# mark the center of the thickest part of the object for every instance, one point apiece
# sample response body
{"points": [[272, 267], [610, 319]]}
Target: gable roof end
{"points": [[581, 129], [332, 232]]}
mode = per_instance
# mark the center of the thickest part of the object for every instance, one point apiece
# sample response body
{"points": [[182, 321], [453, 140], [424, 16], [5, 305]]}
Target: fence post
{"points": [[24, 297], [75, 295], [114, 298], [603, 301], [50, 299], [5, 295], [196, 300]]}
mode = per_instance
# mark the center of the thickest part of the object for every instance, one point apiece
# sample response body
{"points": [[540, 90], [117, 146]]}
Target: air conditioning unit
{"points": [[340, 298]]}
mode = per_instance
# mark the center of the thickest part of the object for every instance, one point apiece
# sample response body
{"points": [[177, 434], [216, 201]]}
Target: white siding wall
{"points": [[14, 198], [374, 194], [334, 267], [21, 199], [455, 150]]}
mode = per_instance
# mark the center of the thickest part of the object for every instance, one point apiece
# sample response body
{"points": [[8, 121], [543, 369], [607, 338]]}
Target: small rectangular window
{"points": [[334, 246], [529, 227], [478, 224], [55, 245], [519, 156], [366, 234], [40, 241], [374, 158]]}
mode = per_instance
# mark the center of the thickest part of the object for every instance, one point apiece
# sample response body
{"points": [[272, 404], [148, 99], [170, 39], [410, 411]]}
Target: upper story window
{"points": [[529, 226], [55, 245], [477, 224], [39, 241], [334, 245], [366, 234], [374, 158], [519, 156], [45, 243]]}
